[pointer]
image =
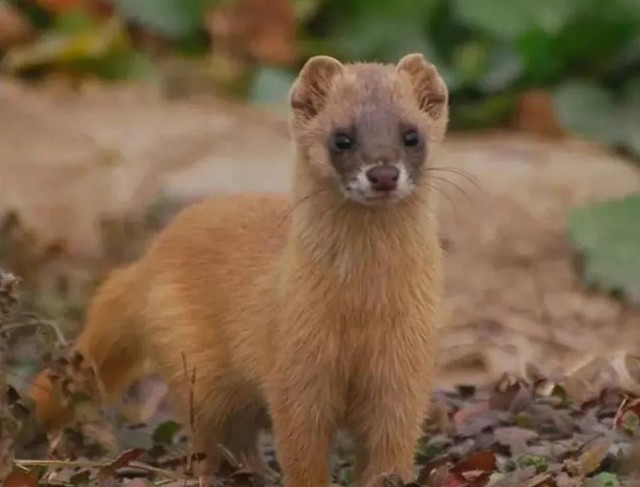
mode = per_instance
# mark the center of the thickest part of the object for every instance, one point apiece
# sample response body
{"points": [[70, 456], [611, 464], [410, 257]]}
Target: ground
{"points": [[516, 302]]}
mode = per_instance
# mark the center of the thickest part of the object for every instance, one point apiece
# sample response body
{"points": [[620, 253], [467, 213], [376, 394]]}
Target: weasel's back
{"points": [[228, 233], [215, 251]]}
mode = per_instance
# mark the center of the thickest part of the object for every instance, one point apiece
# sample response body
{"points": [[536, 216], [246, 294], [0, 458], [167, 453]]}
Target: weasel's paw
{"points": [[387, 479]]}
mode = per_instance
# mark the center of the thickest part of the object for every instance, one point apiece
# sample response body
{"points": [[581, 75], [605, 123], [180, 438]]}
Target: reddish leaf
{"points": [[631, 406], [18, 478], [464, 413], [91, 6], [121, 461], [454, 481], [264, 29], [484, 461], [480, 481]]}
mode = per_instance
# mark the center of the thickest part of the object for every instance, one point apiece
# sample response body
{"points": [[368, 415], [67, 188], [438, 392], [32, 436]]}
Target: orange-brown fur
{"points": [[321, 311]]}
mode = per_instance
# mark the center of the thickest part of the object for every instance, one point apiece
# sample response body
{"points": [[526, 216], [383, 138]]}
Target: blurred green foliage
{"points": [[607, 236], [584, 53]]}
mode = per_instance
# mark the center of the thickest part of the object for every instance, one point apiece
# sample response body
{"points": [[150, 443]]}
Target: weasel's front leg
{"points": [[303, 404], [385, 414]]}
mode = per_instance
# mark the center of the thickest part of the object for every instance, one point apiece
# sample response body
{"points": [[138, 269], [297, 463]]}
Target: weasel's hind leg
{"points": [[242, 439]]}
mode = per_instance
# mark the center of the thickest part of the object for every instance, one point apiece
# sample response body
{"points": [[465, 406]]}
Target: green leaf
{"points": [[603, 479], [491, 111], [607, 236], [586, 109], [271, 86], [165, 432], [368, 30], [126, 64], [376, 37], [631, 117], [58, 49], [503, 67], [502, 19], [540, 57], [72, 21], [174, 18], [471, 61]]}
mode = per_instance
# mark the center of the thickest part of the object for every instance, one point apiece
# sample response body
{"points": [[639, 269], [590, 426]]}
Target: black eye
{"points": [[410, 138], [342, 141]]}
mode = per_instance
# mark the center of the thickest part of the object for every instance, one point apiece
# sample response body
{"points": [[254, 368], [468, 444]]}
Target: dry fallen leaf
{"points": [[122, 460], [535, 113], [591, 457], [516, 478], [264, 30], [484, 461], [18, 478], [14, 28], [536, 481], [515, 438]]}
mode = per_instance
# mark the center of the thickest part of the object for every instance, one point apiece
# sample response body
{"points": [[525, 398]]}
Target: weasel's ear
{"points": [[309, 92], [429, 88]]}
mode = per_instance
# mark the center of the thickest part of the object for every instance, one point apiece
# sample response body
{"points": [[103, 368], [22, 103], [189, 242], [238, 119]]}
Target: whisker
{"points": [[457, 186], [297, 203], [460, 172], [443, 193]]}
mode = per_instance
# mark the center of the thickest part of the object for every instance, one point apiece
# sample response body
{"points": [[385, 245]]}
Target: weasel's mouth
{"points": [[369, 198], [385, 195]]}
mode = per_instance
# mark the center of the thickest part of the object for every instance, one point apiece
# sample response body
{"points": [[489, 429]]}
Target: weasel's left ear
{"points": [[429, 88], [309, 92]]}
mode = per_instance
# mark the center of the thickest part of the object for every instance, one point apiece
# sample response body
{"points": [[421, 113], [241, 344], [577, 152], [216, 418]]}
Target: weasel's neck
{"points": [[329, 231]]}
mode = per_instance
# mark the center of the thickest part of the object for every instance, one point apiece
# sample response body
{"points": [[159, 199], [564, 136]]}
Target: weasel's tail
{"points": [[110, 343]]}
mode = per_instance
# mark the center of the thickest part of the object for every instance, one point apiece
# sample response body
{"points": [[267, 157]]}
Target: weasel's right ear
{"points": [[309, 92]]}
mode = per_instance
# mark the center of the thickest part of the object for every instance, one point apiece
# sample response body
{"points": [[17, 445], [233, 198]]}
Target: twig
{"points": [[192, 422], [95, 464], [13, 326]]}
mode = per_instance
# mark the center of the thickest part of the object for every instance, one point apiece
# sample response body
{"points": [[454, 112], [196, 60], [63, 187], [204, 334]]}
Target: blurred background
{"points": [[113, 114]]}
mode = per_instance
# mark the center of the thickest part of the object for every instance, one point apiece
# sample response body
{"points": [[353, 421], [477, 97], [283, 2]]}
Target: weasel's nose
{"points": [[383, 178]]}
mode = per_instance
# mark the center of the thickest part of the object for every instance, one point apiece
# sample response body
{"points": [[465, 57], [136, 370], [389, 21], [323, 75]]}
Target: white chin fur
{"points": [[360, 190]]}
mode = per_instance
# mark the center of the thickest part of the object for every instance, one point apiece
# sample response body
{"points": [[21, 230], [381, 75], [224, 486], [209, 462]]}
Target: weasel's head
{"points": [[370, 128]]}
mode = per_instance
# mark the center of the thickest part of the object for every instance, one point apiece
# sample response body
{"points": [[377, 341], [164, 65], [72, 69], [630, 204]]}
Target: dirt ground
{"points": [[68, 159]]}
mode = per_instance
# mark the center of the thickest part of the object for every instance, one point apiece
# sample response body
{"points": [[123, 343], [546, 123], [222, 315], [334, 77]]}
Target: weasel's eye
{"points": [[342, 141], [410, 138]]}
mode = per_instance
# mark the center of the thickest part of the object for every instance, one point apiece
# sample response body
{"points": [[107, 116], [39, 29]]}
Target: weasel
{"points": [[320, 308]]}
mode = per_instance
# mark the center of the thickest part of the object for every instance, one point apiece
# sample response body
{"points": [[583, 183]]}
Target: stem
{"points": [[13, 326], [90, 464]]}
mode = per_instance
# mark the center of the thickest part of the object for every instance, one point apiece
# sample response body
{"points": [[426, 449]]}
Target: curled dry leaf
{"points": [[591, 457], [122, 460]]}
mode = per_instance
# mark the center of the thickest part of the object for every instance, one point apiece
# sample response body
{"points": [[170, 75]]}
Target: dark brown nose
{"points": [[383, 178]]}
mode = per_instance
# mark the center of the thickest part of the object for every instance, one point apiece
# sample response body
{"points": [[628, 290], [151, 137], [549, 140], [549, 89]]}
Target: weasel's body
{"points": [[321, 308]]}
